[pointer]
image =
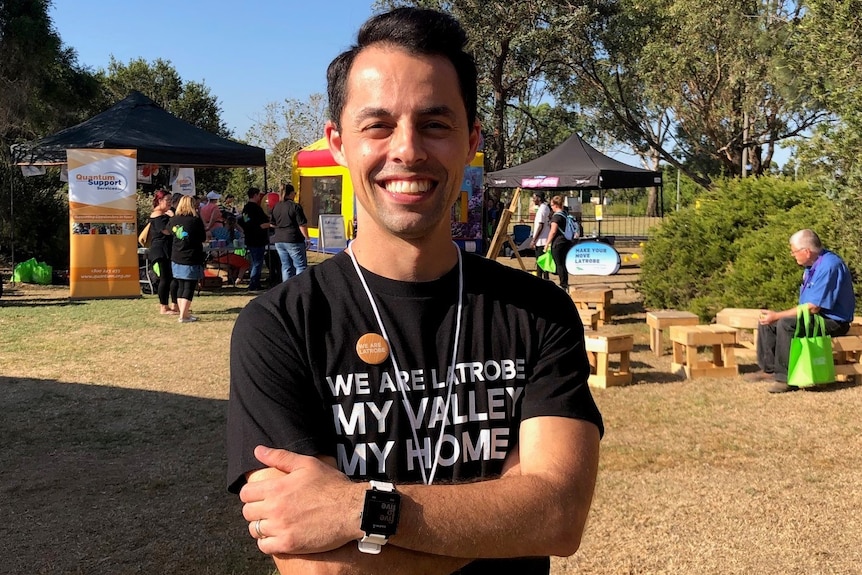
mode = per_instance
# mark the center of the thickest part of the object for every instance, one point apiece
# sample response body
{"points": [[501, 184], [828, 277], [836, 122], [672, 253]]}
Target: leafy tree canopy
{"points": [[189, 100]]}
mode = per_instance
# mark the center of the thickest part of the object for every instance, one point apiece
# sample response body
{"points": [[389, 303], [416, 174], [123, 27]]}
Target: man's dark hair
{"points": [[252, 192], [416, 31]]}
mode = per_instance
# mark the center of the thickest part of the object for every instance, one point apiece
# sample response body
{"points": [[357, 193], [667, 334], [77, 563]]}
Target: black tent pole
{"points": [[12, 222], [602, 207]]}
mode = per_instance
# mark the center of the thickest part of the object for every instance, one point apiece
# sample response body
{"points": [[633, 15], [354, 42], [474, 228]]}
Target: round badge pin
{"points": [[372, 348]]}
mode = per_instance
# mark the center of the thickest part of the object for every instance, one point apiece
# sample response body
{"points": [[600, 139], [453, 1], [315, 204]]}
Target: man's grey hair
{"points": [[806, 239]]}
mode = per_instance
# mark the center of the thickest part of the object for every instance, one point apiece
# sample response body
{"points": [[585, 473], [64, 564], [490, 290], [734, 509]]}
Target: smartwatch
{"points": [[379, 516]]}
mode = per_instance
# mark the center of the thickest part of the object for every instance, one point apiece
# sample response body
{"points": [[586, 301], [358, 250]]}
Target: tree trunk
{"points": [[500, 95]]}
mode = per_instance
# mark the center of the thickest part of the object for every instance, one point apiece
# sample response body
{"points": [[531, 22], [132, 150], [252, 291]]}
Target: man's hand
{"points": [[308, 507], [767, 317]]}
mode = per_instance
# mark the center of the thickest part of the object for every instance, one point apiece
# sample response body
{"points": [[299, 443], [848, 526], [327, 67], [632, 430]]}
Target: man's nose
{"points": [[407, 146]]}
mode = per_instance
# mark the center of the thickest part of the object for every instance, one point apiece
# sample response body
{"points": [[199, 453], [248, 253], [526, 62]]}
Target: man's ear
{"points": [[475, 140], [336, 147]]}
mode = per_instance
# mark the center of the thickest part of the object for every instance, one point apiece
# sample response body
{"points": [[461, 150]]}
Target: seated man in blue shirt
{"points": [[827, 289]]}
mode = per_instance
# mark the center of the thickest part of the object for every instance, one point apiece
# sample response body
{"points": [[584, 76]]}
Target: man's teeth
{"points": [[407, 187]]}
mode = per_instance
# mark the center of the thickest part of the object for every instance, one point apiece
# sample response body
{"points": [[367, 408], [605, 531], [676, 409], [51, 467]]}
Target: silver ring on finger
{"points": [[257, 530]]}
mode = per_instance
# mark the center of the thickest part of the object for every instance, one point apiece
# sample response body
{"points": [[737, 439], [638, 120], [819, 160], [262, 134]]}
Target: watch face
{"points": [[380, 512]]}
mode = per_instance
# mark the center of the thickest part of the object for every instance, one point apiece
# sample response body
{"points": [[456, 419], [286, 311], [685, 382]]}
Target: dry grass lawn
{"points": [[112, 458]]}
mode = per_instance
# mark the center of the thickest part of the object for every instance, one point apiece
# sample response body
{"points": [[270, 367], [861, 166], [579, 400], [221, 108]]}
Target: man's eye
{"points": [[377, 129]]}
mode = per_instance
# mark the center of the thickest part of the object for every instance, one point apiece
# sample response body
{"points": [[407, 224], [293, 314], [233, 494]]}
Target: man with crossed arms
{"points": [[456, 385]]}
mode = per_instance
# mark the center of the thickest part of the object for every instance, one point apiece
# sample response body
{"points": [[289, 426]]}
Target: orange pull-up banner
{"points": [[103, 249]]}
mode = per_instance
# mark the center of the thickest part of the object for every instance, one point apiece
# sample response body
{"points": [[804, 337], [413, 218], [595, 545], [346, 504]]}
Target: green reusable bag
{"points": [[42, 273], [23, 272], [811, 360], [546, 262]]}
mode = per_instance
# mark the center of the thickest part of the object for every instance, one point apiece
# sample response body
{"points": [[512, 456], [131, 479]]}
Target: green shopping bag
{"points": [[546, 262], [42, 273], [23, 272], [811, 360]]}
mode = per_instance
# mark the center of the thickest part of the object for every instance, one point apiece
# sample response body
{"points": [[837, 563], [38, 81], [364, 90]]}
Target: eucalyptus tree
{"points": [[827, 54], [43, 88], [514, 44], [686, 79], [286, 127]]}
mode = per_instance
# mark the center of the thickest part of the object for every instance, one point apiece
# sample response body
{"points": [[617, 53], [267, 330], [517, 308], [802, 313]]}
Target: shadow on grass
{"points": [[98, 479], [830, 387], [229, 311], [627, 313], [13, 300], [656, 377]]}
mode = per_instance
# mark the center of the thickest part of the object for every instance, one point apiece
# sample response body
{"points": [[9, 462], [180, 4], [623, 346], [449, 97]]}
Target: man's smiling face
{"points": [[405, 139]]}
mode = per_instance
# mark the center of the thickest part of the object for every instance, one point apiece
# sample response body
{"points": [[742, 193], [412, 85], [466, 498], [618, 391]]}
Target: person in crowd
{"points": [[457, 385], [558, 242], [255, 225], [235, 264], [187, 254], [229, 207], [211, 213], [160, 252], [230, 232], [827, 289], [541, 229], [491, 217], [291, 233]]}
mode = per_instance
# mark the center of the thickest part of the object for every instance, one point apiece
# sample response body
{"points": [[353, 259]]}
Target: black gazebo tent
{"points": [[138, 123], [573, 165]]}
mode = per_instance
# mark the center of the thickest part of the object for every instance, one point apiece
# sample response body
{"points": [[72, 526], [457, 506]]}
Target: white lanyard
{"points": [[450, 371]]}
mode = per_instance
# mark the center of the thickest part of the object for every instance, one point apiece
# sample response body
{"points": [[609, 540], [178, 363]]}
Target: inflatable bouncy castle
{"points": [[324, 188]]}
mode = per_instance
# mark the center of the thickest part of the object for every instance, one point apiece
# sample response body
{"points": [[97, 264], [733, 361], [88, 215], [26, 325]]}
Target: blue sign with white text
{"points": [[592, 259]]}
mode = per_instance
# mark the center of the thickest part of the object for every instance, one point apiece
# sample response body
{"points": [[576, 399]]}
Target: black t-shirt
{"points": [[287, 216], [188, 241], [298, 383], [160, 243], [252, 218], [559, 218]]}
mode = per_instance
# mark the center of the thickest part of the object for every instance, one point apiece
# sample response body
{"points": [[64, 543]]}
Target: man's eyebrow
{"points": [[438, 111], [366, 113]]}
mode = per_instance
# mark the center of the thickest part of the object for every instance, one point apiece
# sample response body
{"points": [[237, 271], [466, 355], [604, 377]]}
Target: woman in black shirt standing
{"points": [[187, 254], [558, 242], [160, 252]]}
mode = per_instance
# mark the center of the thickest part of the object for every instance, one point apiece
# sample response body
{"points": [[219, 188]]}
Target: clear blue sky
{"points": [[248, 53]]}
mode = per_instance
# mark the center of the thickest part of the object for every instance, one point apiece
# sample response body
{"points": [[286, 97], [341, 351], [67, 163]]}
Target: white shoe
{"points": [[189, 319]]}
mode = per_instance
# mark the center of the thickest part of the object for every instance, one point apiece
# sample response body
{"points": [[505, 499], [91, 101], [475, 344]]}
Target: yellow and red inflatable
{"points": [[323, 187]]}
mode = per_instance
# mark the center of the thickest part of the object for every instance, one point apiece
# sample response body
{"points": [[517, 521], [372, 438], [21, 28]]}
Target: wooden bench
{"points": [[599, 348], [847, 352], [589, 318], [741, 318], [660, 320], [687, 338], [598, 297]]}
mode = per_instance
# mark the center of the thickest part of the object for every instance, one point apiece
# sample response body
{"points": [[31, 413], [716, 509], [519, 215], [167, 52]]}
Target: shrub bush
{"points": [[731, 248]]}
